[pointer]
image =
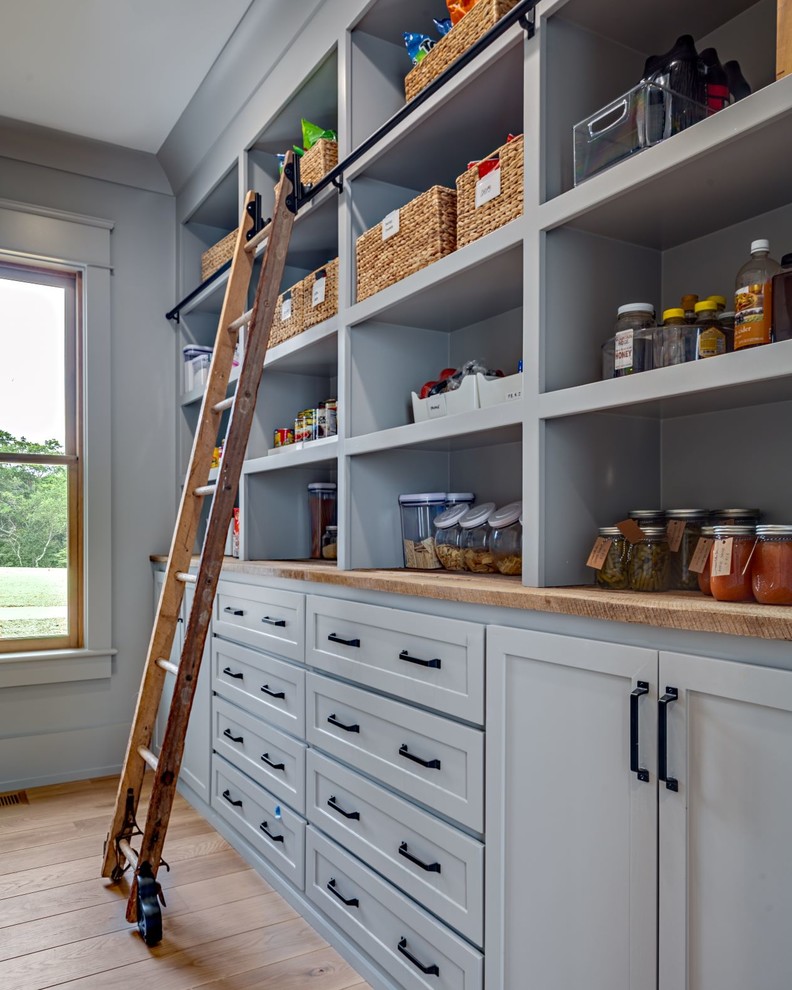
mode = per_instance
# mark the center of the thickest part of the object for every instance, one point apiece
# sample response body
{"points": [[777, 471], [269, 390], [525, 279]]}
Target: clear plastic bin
{"points": [[418, 512], [322, 503]]}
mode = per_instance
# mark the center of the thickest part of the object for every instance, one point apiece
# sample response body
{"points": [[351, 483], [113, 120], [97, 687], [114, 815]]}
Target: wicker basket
{"points": [[217, 255], [312, 314], [427, 232], [317, 161], [284, 329], [482, 16], [473, 223]]}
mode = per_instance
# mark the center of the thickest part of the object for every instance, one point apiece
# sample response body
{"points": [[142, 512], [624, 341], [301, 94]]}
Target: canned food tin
{"points": [[283, 436]]}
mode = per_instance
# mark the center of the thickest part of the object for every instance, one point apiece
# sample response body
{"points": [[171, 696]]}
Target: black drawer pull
{"points": [[266, 831], [641, 772], [230, 610], [349, 901], [332, 803], [404, 655], [429, 764], [227, 796], [268, 761], [344, 642], [274, 622], [227, 670], [347, 728], [273, 694], [228, 735], [429, 867], [432, 970], [672, 694]]}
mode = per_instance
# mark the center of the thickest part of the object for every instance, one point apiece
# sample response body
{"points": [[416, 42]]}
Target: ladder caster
{"points": [[117, 873], [149, 915]]}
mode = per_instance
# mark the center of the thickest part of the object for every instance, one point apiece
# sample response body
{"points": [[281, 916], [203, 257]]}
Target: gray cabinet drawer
{"points": [[277, 833], [266, 687], [387, 739], [390, 835], [425, 659], [261, 617], [386, 924], [274, 760]]}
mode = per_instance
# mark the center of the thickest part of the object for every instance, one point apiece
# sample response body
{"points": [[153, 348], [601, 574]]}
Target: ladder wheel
{"points": [[117, 874], [149, 920]]}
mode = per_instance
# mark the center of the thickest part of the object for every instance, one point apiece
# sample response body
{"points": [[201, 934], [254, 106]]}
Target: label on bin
{"points": [[674, 533], [722, 558], [489, 187], [318, 291], [390, 225], [286, 309], [623, 353], [599, 552], [700, 555], [437, 406]]}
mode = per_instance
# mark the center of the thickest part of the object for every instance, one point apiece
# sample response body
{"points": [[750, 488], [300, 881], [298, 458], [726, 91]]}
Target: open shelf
{"points": [[313, 352], [297, 455]]}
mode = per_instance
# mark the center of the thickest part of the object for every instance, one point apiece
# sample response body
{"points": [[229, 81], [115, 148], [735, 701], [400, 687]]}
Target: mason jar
{"points": [[704, 576], [736, 586], [681, 577], [648, 566], [613, 573], [772, 565]]}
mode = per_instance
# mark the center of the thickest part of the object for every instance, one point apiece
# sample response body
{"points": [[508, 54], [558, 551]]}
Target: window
{"points": [[41, 483]]}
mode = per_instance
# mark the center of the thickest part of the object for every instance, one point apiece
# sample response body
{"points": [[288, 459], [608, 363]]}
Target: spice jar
{"points": [[736, 585], [704, 576], [648, 565], [447, 537], [613, 573], [772, 565], [322, 504], [505, 539], [475, 539], [417, 514], [330, 543], [681, 577]]}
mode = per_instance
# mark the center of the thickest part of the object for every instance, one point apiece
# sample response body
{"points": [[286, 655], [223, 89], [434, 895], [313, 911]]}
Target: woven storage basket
{"points": [[427, 232], [317, 161], [217, 255], [310, 314], [479, 19], [286, 329], [473, 223]]}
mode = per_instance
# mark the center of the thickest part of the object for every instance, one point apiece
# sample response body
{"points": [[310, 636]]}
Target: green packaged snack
{"points": [[312, 133]]}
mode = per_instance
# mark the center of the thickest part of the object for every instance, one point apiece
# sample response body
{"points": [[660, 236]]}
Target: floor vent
{"points": [[17, 797]]}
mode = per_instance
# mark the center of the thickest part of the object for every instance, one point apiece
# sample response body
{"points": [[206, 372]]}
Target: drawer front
{"points": [[387, 739], [428, 660], [261, 617], [268, 688], [277, 833], [272, 759], [398, 934], [440, 867]]}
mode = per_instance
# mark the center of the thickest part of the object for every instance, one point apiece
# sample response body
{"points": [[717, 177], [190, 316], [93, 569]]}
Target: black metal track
{"points": [[523, 13]]}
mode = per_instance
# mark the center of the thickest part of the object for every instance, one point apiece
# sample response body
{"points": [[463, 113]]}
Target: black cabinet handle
{"points": [[275, 766], [672, 694], [347, 728], [344, 642], [332, 803], [432, 970], [227, 670], [266, 831], [274, 622], [405, 655], [227, 796], [228, 735], [430, 764], [349, 901], [230, 610], [273, 694], [641, 689], [429, 867]]}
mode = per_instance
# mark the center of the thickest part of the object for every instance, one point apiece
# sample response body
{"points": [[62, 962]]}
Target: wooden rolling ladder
{"points": [[119, 855]]}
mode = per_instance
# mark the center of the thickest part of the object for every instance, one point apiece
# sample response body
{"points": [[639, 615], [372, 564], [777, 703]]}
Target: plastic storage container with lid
{"points": [[459, 498], [681, 577], [630, 350], [447, 537], [330, 543], [418, 512], [322, 504], [648, 565], [505, 540], [736, 585], [475, 539], [772, 565], [613, 573]]}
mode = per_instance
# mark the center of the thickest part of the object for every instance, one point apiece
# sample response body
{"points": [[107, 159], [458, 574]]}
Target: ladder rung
{"points": [[186, 578], [254, 241], [224, 404], [204, 490], [148, 756], [243, 320], [166, 665], [129, 854]]}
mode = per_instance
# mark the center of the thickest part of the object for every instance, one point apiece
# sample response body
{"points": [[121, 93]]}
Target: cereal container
{"points": [[505, 539], [475, 539], [418, 512], [447, 537]]}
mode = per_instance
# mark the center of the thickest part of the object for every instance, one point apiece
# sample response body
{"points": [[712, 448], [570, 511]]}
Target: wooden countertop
{"points": [[671, 610]]}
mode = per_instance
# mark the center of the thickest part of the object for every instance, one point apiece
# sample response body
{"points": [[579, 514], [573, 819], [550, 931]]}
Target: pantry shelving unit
{"points": [[543, 289]]}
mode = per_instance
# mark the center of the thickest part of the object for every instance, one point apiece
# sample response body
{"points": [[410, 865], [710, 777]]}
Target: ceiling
{"points": [[121, 71]]}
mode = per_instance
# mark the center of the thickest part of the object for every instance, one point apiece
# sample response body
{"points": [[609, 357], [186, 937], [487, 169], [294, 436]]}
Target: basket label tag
{"points": [[390, 225], [623, 356], [286, 309], [675, 530], [489, 187], [318, 291], [437, 406]]}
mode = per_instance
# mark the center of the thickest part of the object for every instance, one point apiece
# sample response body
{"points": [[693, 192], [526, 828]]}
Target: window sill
{"points": [[54, 667]]}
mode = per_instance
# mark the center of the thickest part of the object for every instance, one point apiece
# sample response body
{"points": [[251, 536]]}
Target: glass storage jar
{"points": [[735, 586], [630, 350], [613, 573], [648, 517], [648, 565], [735, 517], [772, 565], [704, 576], [417, 515], [681, 576], [447, 537], [330, 543], [322, 503], [459, 498], [475, 539], [505, 540]]}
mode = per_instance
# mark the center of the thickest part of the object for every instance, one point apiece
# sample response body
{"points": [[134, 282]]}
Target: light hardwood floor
{"points": [[61, 925]]}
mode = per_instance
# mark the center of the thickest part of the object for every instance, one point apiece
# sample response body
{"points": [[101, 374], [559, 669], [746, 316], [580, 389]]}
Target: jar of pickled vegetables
{"points": [[476, 552], [707, 532], [682, 578], [772, 565], [447, 537], [613, 573], [736, 586], [505, 539], [648, 565]]}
